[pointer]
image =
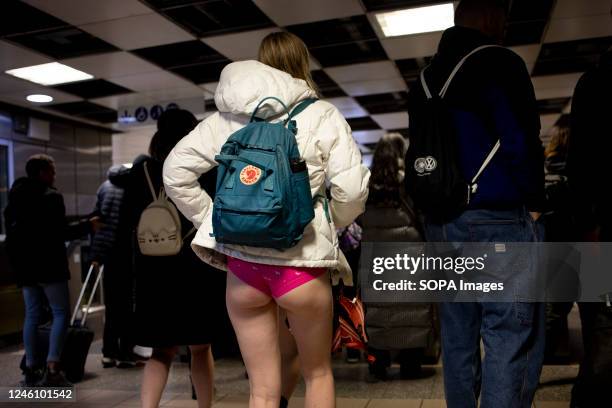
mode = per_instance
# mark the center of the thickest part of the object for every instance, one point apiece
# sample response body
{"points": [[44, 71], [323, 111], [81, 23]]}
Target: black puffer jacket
{"points": [[588, 163], [108, 207], [37, 232], [384, 223], [393, 326]]}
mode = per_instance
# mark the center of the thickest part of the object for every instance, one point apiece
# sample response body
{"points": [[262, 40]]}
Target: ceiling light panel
{"points": [[52, 73]]}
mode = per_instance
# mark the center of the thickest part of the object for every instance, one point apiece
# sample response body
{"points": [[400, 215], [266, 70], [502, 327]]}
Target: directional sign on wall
{"points": [[147, 114]]}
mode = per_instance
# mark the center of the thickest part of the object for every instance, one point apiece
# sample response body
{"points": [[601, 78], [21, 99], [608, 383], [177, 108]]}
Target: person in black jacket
{"points": [[390, 217], [587, 167], [177, 301], [37, 231], [491, 98], [117, 281]]}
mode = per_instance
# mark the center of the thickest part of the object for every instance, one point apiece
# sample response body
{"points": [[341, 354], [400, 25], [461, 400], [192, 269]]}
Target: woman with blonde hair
{"points": [[262, 280]]}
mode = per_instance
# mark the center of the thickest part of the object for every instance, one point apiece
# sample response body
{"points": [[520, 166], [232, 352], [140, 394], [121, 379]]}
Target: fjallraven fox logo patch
{"points": [[250, 175]]}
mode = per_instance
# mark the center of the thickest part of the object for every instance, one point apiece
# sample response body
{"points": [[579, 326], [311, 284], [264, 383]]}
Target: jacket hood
{"points": [[458, 41], [117, 173], [244, 84], [116, 170]]}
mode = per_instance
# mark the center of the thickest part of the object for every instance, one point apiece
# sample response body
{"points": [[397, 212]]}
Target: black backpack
{"points": [[433, 178]]}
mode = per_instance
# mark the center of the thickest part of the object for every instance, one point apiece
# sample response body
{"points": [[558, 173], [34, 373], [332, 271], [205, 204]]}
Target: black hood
{"points": [[458, 41], [117, 173], [141, 158]]}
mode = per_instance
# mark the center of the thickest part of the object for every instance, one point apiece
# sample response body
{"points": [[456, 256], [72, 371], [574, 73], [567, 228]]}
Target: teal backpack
{"points": [[263, 194]]}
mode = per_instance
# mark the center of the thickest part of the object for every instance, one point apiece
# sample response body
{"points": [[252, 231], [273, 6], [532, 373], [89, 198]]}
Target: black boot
{"points": [[377, 372], [32, 376], [54, 379]]}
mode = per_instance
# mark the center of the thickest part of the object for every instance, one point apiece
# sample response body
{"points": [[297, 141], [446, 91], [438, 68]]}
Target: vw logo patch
{"points": [[425, 165], [250, 175]]}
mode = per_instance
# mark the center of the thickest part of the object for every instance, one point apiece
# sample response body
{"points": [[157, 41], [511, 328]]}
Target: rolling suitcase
{"points": [[78, 338]]}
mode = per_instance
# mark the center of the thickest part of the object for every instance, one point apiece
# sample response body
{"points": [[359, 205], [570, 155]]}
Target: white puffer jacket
{"points": [[324, 140]]}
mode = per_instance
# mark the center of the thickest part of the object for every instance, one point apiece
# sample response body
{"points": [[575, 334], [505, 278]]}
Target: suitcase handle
{"points": [[82, 294]]}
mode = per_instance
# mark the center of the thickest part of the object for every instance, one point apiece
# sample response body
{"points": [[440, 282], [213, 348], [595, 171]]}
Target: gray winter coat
{"points": [[392, 326]]}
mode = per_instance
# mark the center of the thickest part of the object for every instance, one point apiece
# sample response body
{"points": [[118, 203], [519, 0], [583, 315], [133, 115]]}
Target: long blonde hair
{"points": [[559, 142], [287, 52]]}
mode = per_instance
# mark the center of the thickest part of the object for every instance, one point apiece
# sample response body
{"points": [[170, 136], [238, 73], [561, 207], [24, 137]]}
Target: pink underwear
{"points": [[273, 280]]}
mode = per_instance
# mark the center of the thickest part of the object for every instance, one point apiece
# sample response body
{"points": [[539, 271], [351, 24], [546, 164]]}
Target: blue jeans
{"points": [[59, 302], [512, 333]]}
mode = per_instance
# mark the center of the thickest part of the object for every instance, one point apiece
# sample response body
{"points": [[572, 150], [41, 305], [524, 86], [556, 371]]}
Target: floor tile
{"points": [[232, 402], [552, 404], [351, 402], [556, 383], [410, 389], [437, 403], [108, 397], [84, 393], [135, 400], [395, 403], [183, 401], [296, 402]]}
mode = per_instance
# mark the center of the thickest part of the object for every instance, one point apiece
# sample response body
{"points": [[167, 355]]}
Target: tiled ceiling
{"points": [[147, 50], [212, 17], [86, 110], [527, 21], [93, 88]]}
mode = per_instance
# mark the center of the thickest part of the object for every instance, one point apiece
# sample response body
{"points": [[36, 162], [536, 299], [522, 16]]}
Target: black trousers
{"points": [[118, 299], [594, 379]]}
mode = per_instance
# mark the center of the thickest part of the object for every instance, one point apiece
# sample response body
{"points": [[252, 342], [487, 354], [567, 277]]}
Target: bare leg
{"points": [[202, 370], [155, 376], [290, 365], [254, 316], [310, 309]]}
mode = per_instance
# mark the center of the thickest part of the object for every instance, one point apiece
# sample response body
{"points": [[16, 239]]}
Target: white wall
{"points": [[127, 146]]}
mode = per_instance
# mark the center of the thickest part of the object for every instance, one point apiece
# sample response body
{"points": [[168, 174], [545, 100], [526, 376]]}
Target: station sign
{"points": [[147, 114]]}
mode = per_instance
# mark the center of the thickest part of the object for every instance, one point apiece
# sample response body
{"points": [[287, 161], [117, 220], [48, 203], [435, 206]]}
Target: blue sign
{"points": [[156, 112], [141, 114], [172, 105]]}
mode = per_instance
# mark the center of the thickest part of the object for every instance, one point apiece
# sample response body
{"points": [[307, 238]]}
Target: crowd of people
{"points": [[280, 302]]}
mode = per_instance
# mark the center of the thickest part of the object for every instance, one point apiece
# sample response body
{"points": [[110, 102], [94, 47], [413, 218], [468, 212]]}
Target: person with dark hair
{"points": [[490, 99], [587, 169], [36, 224], [390, 217], [117, 345], [174, 295]]}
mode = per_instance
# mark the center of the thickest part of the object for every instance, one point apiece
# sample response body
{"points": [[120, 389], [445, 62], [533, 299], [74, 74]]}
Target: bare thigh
{"points": [[310, 309], [254, 316]]}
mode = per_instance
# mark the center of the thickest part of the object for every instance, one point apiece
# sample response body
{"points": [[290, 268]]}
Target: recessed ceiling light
{"points": [[417, 20], [39, 98], [52, 73]]}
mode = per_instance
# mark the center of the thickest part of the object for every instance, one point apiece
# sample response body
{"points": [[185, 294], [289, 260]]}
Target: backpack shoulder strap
{"points": [[289, 122], [254, 115], [453, 72], [424, 84], [149, 182], [299, 108], [487, 161], [460, 64]]}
